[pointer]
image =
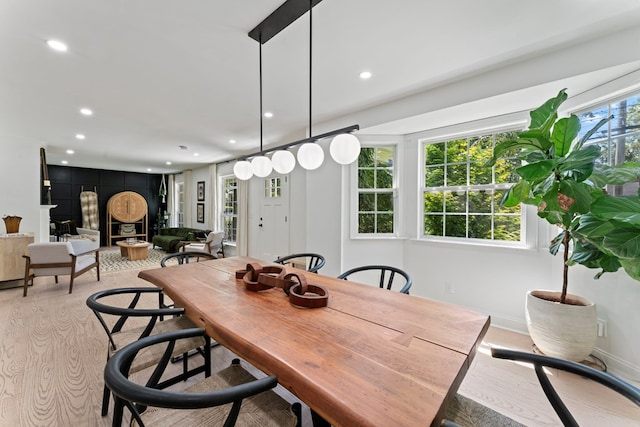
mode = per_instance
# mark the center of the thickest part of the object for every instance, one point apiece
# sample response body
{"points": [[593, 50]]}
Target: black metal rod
{"points": [[260, 55], [310, 57]]}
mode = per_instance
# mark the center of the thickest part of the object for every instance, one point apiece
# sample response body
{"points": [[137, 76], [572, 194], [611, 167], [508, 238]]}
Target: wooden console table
{"points": [[12, 247]]}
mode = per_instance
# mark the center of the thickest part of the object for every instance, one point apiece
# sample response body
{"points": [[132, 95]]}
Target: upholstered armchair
{"points": [[212, 244], [58, 259]]}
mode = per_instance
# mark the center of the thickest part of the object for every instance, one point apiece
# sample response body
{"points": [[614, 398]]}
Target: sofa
{"points": [[169, 238]]}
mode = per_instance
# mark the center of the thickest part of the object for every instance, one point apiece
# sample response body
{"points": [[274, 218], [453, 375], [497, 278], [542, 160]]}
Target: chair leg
{"points": [[26, 276], [71, 284], [207, 356], [56, 279], [296, 408], [105, 401], [318, 421]]}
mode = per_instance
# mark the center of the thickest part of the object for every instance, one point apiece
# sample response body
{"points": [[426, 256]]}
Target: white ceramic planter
{"points": [[561, 330]]}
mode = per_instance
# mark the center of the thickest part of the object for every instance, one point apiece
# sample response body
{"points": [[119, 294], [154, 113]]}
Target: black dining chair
{"points": [[540, 361], [184, 257], [385, 281], [313, 262], [145, 304], [228, 397]]}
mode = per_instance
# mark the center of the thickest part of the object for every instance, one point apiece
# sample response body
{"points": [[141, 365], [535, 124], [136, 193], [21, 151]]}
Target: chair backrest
{"points": [[215, 240], [313, 262], [186, 256], [125, 310], [384, 281], [56, 258], [540, 361], [131, 393]]}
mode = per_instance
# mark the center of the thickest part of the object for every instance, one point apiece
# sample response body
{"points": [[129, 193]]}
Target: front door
{"points": [[273, 220]]}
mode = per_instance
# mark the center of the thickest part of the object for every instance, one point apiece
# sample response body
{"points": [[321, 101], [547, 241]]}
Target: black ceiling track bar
{"points": [[280, 19], [316, 138]]}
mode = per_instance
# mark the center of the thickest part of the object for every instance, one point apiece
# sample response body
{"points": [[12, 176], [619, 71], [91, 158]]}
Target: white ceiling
{"points": [[163, 73]]}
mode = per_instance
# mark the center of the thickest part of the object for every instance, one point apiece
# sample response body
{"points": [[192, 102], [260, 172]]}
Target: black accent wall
{"points": [[68, 182]]}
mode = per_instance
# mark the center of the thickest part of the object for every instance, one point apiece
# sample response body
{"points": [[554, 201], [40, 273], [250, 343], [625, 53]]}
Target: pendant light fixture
{"points": [[243, 170], [345, 147], [261, 164], [283, 161], [310, 154]]}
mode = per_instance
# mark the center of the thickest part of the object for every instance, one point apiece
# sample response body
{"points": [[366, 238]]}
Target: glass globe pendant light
{"points": [[345, 148], [261, 166], [283, 161], [243, 170], [310, 156]]}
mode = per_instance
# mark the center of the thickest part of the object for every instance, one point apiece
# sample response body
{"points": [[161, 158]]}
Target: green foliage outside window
{"points": [[461, 197], [230, 210], [376, 190]]}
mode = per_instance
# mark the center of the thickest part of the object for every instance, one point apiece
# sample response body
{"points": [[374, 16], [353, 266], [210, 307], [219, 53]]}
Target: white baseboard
{"points": [[619, 367], [510, 324], [615, 365]]}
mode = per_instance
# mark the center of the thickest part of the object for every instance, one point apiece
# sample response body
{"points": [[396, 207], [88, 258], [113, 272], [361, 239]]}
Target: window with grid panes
{"points": [[230, 208], [461, 196], [376, 191], [619, 140]]}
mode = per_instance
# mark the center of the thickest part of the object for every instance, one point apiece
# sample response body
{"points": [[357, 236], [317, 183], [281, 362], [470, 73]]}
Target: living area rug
{"points": [[111, 260], [469, 413]]}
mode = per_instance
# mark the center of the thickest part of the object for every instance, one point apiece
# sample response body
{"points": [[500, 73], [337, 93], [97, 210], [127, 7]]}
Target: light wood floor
{"points": [[52, 353]]}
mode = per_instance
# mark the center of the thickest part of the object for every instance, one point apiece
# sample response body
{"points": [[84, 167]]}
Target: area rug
{"points": [[469, 413], [111, 260]]}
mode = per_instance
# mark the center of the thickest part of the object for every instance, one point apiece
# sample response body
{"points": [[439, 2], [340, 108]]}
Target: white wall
{"points": [[20, 178], [492, 280], [200, 174]]}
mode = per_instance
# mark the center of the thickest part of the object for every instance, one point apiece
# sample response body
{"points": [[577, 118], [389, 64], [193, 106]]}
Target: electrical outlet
{"points": [[448, 287], [602, 328]]}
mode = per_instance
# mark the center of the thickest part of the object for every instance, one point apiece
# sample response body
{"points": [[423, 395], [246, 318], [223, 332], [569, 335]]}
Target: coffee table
{"points": [[134, 251]]}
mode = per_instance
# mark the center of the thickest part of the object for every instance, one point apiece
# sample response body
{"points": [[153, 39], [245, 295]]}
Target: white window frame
{"points": [[221, 204], [397, 194], [528, 217]]}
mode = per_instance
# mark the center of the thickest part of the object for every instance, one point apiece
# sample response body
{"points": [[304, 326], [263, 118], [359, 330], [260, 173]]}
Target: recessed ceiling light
{"points": [[57, 45], [268, 114], [148, 169], [86, 112], [232, 141], [168, 163], [69, 151], [365, 75], [196, 154], [80, 136], [64, 162]]}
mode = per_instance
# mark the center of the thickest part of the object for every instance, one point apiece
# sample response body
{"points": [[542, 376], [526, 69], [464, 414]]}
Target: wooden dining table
{"points": [[371, 357]]}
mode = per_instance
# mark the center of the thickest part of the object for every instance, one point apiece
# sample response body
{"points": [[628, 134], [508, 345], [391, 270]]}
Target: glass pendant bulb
{"points": [[261, 166], [243, 170], [310, 156], [283, 161], [345, 148]]}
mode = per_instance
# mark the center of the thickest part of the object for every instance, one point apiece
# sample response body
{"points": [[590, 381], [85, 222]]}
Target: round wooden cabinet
{"points": [[126, 211], [127, 206]]}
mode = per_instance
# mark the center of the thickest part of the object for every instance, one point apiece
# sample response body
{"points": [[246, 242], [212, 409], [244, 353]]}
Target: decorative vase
{"points": [[12, 223], [568, 331]]}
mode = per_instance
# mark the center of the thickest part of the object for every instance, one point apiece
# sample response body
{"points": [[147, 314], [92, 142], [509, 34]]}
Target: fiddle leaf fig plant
{"points": [[561, 175]]}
